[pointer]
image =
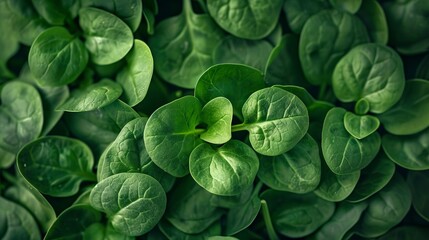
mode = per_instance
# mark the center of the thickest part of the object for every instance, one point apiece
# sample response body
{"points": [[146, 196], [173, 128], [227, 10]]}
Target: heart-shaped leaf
{"points": [[360, 126], [217, 114]]}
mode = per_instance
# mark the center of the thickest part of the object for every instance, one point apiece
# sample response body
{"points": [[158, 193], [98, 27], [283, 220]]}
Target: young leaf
{"points": [[337, 32], [276, 120], [372, 15], [217, 115], [107, 38], [135, 77], [360, 126], [227, 170], [56, 165], [134, 202], [344, 153], [171, 134], [299, 11], [246, 19], [409, 115], [182, 46], [57, 12], [233, 81], [410, 152], [92, 97], [370, 71], [297, 170], [21, 116], [56, 57], [128, 154]]}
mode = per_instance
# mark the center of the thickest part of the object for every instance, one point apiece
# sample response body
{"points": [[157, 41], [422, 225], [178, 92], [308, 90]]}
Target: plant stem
{"points": [[238, 127], [272, 235]]}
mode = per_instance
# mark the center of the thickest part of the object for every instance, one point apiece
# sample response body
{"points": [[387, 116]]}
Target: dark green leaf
{"points": [[217, 115], [299, 11], [360, 126], [418, 182], [372, 15], [351, 6]]}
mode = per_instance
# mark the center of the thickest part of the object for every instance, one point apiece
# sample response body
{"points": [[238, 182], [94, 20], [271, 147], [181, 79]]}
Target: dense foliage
{"points": [[217, 119]]}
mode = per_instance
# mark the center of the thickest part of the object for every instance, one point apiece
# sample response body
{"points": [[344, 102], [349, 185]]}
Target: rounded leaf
{"points": [[227, 170], [217, 115], [134, 202], [56, 165], [372, 15], [360, 126], [107, 38], [56, 57], [418, 182]]}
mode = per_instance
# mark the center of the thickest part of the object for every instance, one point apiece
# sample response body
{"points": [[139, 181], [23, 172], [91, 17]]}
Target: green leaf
{"points": [[128, 154], [334, 187], [171, 232], [370, 71], [351, 6], [297, 215], [190, 212], [92, 97], [183, 45], [345, 217], [134, 202], [237, 50], [372, 15], [418, 182], [107, 38], [409, 115], [344, 153], [406, 233], [297, 170], [57, 12], [56, 165], [372, 179], [233, 81], [360, 126], [217, 114], [227, 170], [410, 152], [299, 11], [337, 32], [129, 11], [136, 76], [17, 223], [73, 222], [385, 209], [21, 116], [246, 19], [56, 57], [276, 120], [171, 134]]}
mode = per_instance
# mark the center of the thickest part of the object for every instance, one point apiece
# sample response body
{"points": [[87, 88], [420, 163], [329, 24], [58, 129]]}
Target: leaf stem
{"points": [[239, 127], [272, 235]]}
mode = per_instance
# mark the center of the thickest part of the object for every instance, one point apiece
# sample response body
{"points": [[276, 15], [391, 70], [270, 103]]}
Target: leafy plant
{"points": [[225, 119]]}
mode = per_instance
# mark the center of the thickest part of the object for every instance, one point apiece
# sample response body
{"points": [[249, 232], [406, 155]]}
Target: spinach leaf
{"points": [[283, 65], [128, 154], [17, 223], [135, 77], [228, 80], [171, 232], [351, 6], [99, 231], [370, 71], [183, 45], [7, 159], [227, 170], [275, 119], [57, 12], [418, 182], [21, 116], [217, 115], [171, 134], [237, 50], [129, 11], [372, 179], [98, 128], [409, 115], [297, 170], [297, 215], [92, 97], [190, 211], [410, 152], [360, 126], [372, 15], [107, 38], [246, 19], [344, 153], [56, 57], [337, 32], [56, 165], [385, 209], [232, 201], [334, 187], [406, 233], [134, 202], [299, 11], [346, 215]]}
